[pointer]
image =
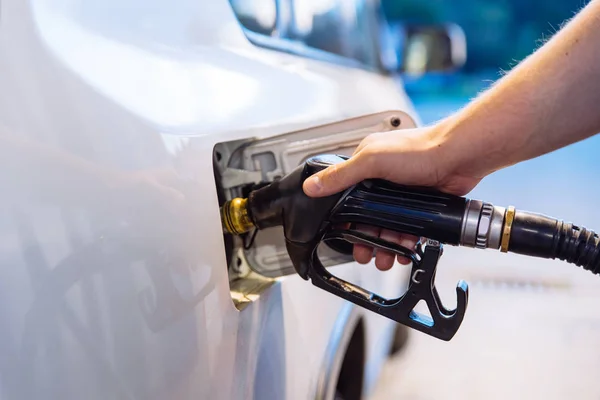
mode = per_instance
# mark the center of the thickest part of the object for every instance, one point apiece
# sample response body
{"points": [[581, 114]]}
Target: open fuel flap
{"points": [[257, 259]]}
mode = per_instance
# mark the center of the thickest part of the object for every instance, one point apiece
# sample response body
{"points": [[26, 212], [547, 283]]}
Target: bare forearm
{"points": [[548, 101]]}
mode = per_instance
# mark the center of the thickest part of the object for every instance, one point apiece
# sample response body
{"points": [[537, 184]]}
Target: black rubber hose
{"points": [[541, 236]]}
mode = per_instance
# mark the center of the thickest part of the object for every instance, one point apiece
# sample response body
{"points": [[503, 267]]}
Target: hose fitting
{"points": [[482, 225]]}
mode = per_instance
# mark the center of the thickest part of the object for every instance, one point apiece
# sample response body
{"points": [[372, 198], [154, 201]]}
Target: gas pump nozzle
{"points": [[436, 217]]}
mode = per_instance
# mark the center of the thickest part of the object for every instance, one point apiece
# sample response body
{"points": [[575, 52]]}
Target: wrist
{"points": [[449, 154], [469, 147]]}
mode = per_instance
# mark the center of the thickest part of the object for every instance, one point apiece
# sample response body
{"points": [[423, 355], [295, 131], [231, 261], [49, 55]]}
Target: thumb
{"points": [[334, 178]]}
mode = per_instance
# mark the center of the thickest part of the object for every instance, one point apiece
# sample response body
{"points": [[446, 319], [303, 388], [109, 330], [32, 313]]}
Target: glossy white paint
{"points": [[113, 281]]}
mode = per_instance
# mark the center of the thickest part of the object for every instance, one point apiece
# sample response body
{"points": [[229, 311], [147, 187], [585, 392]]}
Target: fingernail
{"points": [[404, 260], [313, 185]]}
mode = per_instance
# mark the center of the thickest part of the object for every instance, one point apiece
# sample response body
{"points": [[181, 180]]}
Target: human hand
{"points": [[416, 157]]}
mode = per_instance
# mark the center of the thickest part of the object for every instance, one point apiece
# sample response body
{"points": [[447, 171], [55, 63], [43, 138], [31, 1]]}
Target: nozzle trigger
{"points": [[443, 323]]}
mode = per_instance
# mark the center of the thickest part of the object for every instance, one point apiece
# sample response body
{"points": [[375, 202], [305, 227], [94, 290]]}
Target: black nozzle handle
{"points": [[422, 212]]}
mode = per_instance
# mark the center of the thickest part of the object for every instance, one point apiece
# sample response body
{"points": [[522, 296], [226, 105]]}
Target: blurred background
{"points": [[498, 34]]}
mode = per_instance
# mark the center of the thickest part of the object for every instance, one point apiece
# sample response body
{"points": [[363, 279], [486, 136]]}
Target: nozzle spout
{"points": [[264, 207], [235, 217], [281, 203]]}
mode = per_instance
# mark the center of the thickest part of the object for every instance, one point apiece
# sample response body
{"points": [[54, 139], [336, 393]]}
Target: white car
{"points": [[124, 124]]}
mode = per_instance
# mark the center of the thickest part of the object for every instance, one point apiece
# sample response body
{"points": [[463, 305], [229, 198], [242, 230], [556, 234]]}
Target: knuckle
{"points": [[333, 175], [369, 162]]}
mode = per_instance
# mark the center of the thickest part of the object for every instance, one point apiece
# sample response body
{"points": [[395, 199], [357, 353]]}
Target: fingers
{"points": [[409, 242], [384, 260], [335, 178], [363, 253]]}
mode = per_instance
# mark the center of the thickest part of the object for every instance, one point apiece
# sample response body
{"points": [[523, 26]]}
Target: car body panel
{"points": [[113, 279]]}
